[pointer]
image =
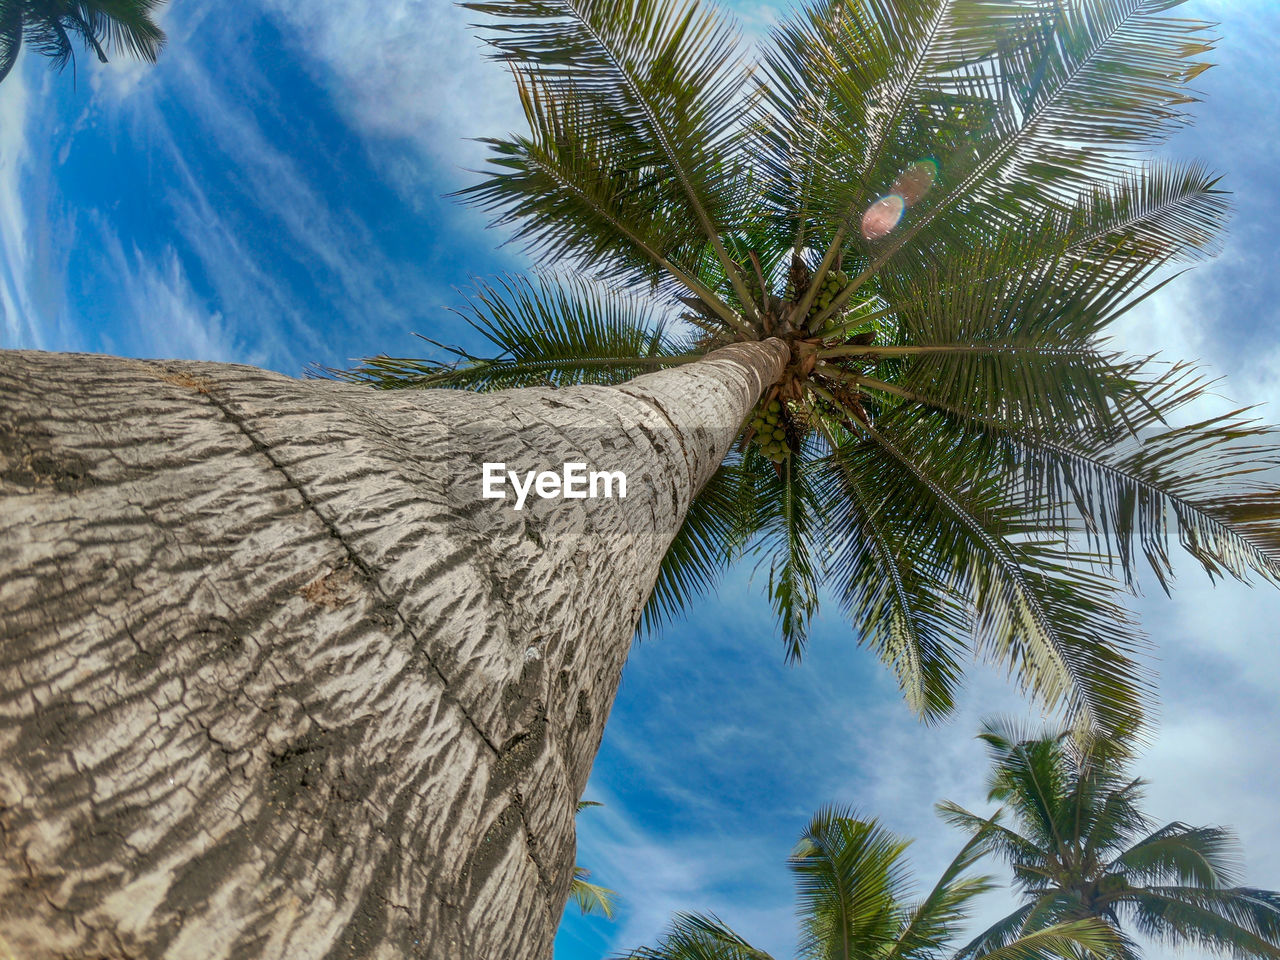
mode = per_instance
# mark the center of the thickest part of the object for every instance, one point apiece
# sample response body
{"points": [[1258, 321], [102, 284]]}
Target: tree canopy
{"points": [[941, 206]]}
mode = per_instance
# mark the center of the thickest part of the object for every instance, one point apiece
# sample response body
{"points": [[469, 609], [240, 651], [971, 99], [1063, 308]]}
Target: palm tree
{"points": [[52, 26], [276, 676], [1074, 833], [934, 205], [853, 885]]}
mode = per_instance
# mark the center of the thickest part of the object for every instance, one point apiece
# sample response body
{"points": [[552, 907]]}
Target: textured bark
{"points": [[275, 682]]}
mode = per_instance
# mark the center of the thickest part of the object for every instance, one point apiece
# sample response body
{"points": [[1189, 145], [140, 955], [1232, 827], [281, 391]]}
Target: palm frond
{"points": [[48, 36], [1106, 817], [1067, 939], [1018, 350], [660, 79], [787, 517], [591, 897], [901, 605], [571, 194], [1076, 89], [1242, 921], [1158, 212], [712, 536], [848, 101], [693, 936], [1204, 483], [1205, 857], [996, 838], [548, 331], [11, 26], [1038, 609], [851, 882], [1002, 932], [933, 921], [126, 25]]}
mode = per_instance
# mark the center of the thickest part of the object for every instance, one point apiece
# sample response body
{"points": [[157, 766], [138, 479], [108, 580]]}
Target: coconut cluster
{"points": [[832, 284], [770, 433]]}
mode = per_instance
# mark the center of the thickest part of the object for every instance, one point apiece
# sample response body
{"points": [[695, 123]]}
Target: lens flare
{"points": [[916, 181], [882, 216]]}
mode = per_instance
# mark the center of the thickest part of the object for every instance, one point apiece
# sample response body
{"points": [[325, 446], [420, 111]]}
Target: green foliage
{"points": [[942, 206], [50, 27], [544, 332], [1073, 831], [855, 902], [591, 897]]}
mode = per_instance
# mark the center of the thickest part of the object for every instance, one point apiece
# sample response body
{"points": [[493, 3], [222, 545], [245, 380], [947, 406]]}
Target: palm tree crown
{"points": [[1074, 833], [940, 206], [853, 885], [50, 27]]}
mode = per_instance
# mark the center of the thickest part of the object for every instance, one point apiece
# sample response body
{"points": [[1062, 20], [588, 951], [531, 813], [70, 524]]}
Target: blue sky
{"points": [[273, 193]]}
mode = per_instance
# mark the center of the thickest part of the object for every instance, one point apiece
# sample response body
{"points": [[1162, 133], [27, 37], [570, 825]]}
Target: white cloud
{"points": [[657, 878], [20, 325], [285, 235], [173, 323], [413, 70]]}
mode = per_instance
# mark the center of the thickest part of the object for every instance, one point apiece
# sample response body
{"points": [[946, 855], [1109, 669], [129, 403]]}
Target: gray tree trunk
{"points": [[275, 680]]}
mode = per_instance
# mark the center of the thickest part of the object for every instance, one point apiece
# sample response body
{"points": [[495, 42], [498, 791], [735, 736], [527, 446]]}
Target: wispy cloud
{"points": [[223, 200], [173, 320], [414, 71], [657, 877], [17, 309]]}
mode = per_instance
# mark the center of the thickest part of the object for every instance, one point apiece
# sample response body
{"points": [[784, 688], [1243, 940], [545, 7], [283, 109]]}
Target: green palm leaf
{"points": [[1195, 856], [710, 538], [120, 26], [543, 332], [897, 591], [11, 22], [1241, 921], [660, 81], [850, 884], [591, 897], [693, 936], [787, 514]]}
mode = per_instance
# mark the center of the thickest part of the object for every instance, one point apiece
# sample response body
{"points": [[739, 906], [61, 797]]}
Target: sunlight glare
{"points": [[882, 216], [914, 183]]}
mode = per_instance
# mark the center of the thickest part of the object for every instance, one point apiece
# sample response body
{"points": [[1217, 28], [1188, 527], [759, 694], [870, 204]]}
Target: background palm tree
{"points": [[52, 26], [853, 887], [1080, 846], [938, 206]]}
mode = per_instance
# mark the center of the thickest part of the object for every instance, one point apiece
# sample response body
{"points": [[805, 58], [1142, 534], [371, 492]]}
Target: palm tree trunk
{"points": [[275, 680]]}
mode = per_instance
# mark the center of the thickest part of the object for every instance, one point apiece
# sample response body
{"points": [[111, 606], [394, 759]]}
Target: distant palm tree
{"points": [[1080, 847], [853, 886], [50, 26]]}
